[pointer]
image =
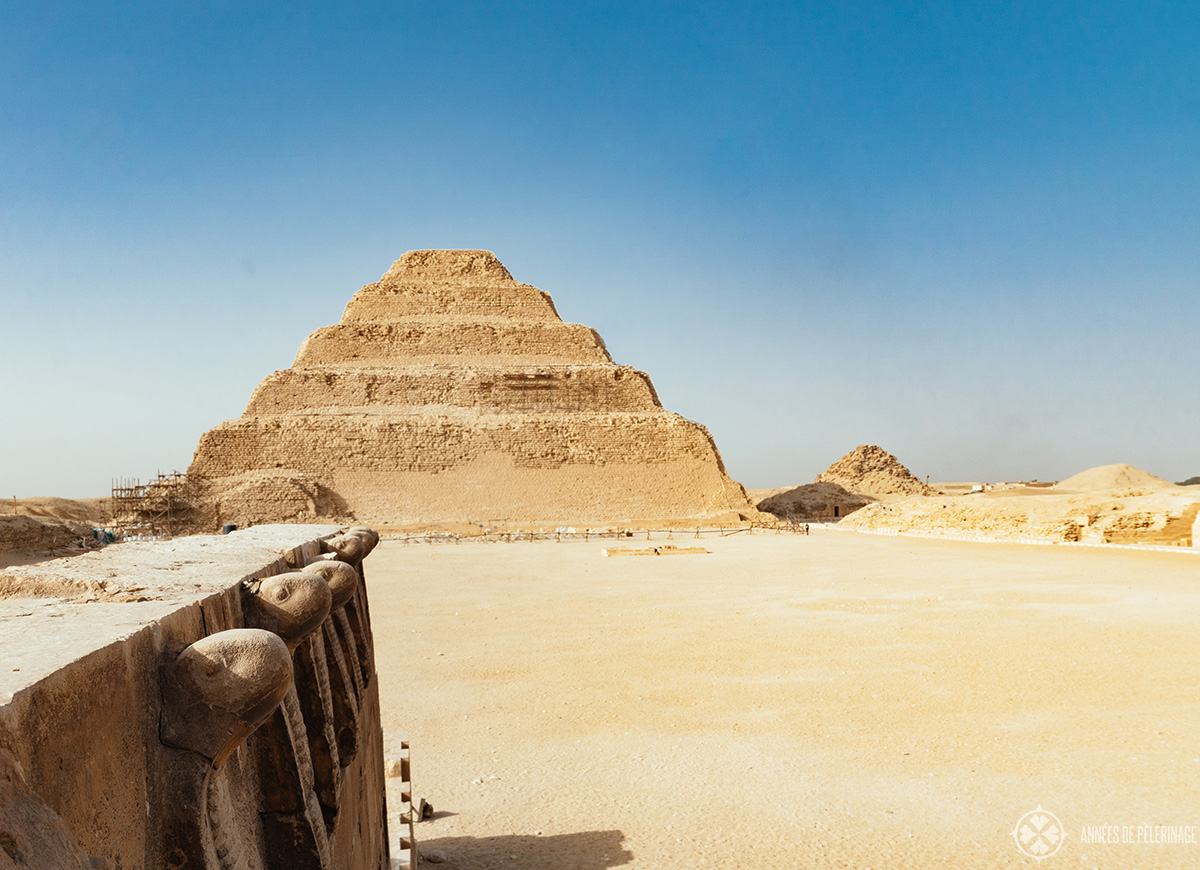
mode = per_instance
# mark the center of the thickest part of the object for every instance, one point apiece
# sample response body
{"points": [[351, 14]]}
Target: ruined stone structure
{"points": [[451, 392], [208, 703], [871, 471]]}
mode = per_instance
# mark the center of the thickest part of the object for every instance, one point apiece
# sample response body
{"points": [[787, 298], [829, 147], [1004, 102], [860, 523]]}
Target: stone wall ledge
{"points": [[53, 613], [198, 703]]}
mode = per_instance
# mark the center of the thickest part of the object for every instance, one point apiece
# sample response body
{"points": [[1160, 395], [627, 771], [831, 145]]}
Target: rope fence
{"points": [[783, 527], [573, 534]]}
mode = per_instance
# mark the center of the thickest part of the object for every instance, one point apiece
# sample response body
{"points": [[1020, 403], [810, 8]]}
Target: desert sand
{"points": [[836, 700]]}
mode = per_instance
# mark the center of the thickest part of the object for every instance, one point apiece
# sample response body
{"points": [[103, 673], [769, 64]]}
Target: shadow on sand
{"points": [[585, 850]]}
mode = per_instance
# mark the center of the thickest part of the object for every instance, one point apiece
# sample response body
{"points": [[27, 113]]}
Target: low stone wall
{"points": [[209, 702]]}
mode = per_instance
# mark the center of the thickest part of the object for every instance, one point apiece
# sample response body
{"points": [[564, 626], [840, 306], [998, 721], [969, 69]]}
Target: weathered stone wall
{"points": [[450, 392], [487, 389], [317, 445], [544, 467], [469, 267], [480, 342], [394, 300], [208, 702]]}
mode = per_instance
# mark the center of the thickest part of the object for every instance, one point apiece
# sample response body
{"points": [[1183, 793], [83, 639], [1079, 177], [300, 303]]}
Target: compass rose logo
{"points": [[1039, 834]]}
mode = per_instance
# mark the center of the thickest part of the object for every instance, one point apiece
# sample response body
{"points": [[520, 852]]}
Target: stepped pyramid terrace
{"points": [[450, 392]]}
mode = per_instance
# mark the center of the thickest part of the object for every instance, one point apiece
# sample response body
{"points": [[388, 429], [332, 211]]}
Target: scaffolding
{"points": [[156, 509]]}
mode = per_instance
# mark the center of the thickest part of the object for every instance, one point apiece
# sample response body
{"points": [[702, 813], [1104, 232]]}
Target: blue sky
{"points": [[967, 232]]}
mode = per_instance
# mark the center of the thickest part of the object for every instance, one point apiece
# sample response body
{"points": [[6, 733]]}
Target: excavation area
{"points": [[782, 701]]}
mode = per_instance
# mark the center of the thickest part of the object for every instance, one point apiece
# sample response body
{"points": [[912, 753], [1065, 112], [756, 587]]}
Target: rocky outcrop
{"points": [[811, 501], [450, 392], [1157, 518]]}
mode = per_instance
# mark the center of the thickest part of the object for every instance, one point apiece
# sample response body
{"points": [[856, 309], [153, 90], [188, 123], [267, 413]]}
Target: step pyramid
{"points": [[450, 392]]}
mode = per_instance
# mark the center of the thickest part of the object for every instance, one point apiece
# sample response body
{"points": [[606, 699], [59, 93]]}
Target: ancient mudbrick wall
{"points": [[208, 702], [451, 392]]}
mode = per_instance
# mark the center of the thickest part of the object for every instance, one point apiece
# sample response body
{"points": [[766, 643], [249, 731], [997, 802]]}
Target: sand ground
{"points": [[837, 700]]}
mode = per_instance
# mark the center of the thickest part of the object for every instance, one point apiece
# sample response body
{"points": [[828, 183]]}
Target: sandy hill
{"points": [[1109, 478], [871, 470], [84, 510], [22, 533]]}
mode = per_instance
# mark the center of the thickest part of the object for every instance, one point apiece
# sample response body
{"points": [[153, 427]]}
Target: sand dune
{"points": [[84, 510], [1110, 478]]}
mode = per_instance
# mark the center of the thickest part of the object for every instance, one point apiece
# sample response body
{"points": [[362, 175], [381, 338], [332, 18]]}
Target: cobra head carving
{"points": [[342, 579], [222, 687], [370, 537], [348, 548], [291, 605]]}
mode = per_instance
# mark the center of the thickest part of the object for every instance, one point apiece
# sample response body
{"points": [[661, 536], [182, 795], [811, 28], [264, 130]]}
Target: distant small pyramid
{"points": [[871, 470], [1110, 478], [450, 392]]}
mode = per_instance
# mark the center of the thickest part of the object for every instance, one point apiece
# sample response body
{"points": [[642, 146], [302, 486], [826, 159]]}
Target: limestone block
{"points": [[131, 734]]}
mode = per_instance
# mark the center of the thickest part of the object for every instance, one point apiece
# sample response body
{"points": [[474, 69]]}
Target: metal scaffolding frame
{"points": [[155, 508]]}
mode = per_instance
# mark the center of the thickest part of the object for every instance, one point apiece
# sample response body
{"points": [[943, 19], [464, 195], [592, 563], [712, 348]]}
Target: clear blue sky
{"points": [[967, 232]]}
